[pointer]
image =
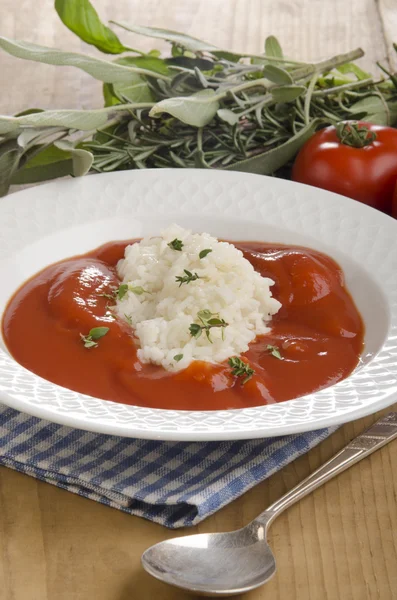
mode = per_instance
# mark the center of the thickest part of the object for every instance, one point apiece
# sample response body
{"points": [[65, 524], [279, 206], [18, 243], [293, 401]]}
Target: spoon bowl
{"points": [[219, 564], [226, 564]]}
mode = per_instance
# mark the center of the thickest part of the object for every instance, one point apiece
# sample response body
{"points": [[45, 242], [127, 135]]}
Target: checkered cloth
{"points": [[176, 484]]}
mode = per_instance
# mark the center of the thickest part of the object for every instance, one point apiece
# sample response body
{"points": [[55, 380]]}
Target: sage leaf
{"points": [[197, 110], [277, 75], [81, 18], [188, 62], [375, 108], [71, 119], [228, 116], [108, 95], [29, 111], [47, 172], [149, 63], [81, 159], [187, 41], [272, 47], [10, 154], [50, 163], [110, 72], [135, 91], [287, 93], [353, 68], [34, 134], [268, 162]]}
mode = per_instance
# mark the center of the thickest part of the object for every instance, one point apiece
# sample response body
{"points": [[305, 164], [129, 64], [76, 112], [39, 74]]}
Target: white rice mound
{"points": [[161, 316]]}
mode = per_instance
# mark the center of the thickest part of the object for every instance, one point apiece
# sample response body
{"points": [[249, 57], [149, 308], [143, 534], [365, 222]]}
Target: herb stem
{"points": [[308, 98]]}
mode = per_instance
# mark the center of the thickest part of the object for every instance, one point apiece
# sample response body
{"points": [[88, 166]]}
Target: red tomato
{"points": [[367, 173]]}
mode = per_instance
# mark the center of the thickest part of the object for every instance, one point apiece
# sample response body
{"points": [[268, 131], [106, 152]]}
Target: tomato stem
{"points": [[355, 134]]}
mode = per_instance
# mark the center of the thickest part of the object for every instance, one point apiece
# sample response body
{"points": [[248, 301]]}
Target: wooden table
{"points": [[340, 543]]}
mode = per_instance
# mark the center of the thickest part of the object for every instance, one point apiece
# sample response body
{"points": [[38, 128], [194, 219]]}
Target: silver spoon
{"points": [[226, 564]]}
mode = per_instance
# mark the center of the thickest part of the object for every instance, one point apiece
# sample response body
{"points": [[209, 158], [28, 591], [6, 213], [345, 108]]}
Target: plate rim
{"points": [[103, 425]]}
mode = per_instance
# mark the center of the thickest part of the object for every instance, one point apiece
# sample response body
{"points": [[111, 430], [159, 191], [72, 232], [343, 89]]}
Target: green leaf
{"points": [[287, 93], [82, 159], [226, 55], [29, 135], [272, 47], [97, 332], [10, 154], [103, 70], [353, 68], [190, 63], [274, 351], [268, 162], [277, 75], [197, 110], [29, 111], [228, 116], [108, 95], [149, 63], [122, 290], [50, 163], [47, 156], [375, 108], [135, 91], [187, 41], [204, 253], [70, 119], [81, 18], [178, 357]]}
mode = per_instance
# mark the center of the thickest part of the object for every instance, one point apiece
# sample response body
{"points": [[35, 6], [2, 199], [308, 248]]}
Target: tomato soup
{"points": [[316, 338]]}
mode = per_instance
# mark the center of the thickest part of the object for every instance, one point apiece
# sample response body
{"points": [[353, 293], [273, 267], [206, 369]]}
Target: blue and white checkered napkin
{"points": [[176, 484]]}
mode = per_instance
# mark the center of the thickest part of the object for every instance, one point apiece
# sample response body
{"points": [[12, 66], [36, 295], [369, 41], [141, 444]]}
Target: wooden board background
{"points": [[340, 543]]}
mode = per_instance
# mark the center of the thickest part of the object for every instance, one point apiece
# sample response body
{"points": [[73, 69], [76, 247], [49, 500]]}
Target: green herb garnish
{"points": [[240, 369], [176, 244], [128, 318], [121, 291], [187, 278], [94, 334], [138, 290], [108, 296], [208, 321], [204, 253], [274, 351], [178, 357]]}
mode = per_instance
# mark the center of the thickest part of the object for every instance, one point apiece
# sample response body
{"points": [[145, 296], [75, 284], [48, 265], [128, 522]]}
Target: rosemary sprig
{"points": [[208, 321]]}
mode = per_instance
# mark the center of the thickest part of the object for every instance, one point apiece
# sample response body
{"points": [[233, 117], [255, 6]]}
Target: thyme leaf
{"points": [[208, 321], [274, 351], [181, 279], [96, 333], [240, 369], [204, 253], [176, 245]]}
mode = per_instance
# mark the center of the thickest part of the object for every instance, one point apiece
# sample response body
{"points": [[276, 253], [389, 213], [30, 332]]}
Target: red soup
{"points": [[318, 333]]}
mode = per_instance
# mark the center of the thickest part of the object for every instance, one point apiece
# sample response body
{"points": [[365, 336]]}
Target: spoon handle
{"points": [[382, 432]]}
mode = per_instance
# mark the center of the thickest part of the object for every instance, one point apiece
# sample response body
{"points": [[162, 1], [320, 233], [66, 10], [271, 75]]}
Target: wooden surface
{"points": [[340, 543]]}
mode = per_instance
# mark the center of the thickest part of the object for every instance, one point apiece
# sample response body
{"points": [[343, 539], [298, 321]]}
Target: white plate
{"points": [[47, 223]]}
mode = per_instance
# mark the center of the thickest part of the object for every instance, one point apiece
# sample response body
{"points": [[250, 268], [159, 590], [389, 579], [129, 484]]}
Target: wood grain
{"points": [[307, 29], [340, 543]]}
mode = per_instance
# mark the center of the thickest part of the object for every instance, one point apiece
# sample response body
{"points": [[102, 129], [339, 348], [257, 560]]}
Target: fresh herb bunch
{"points": [[201, 106]]}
